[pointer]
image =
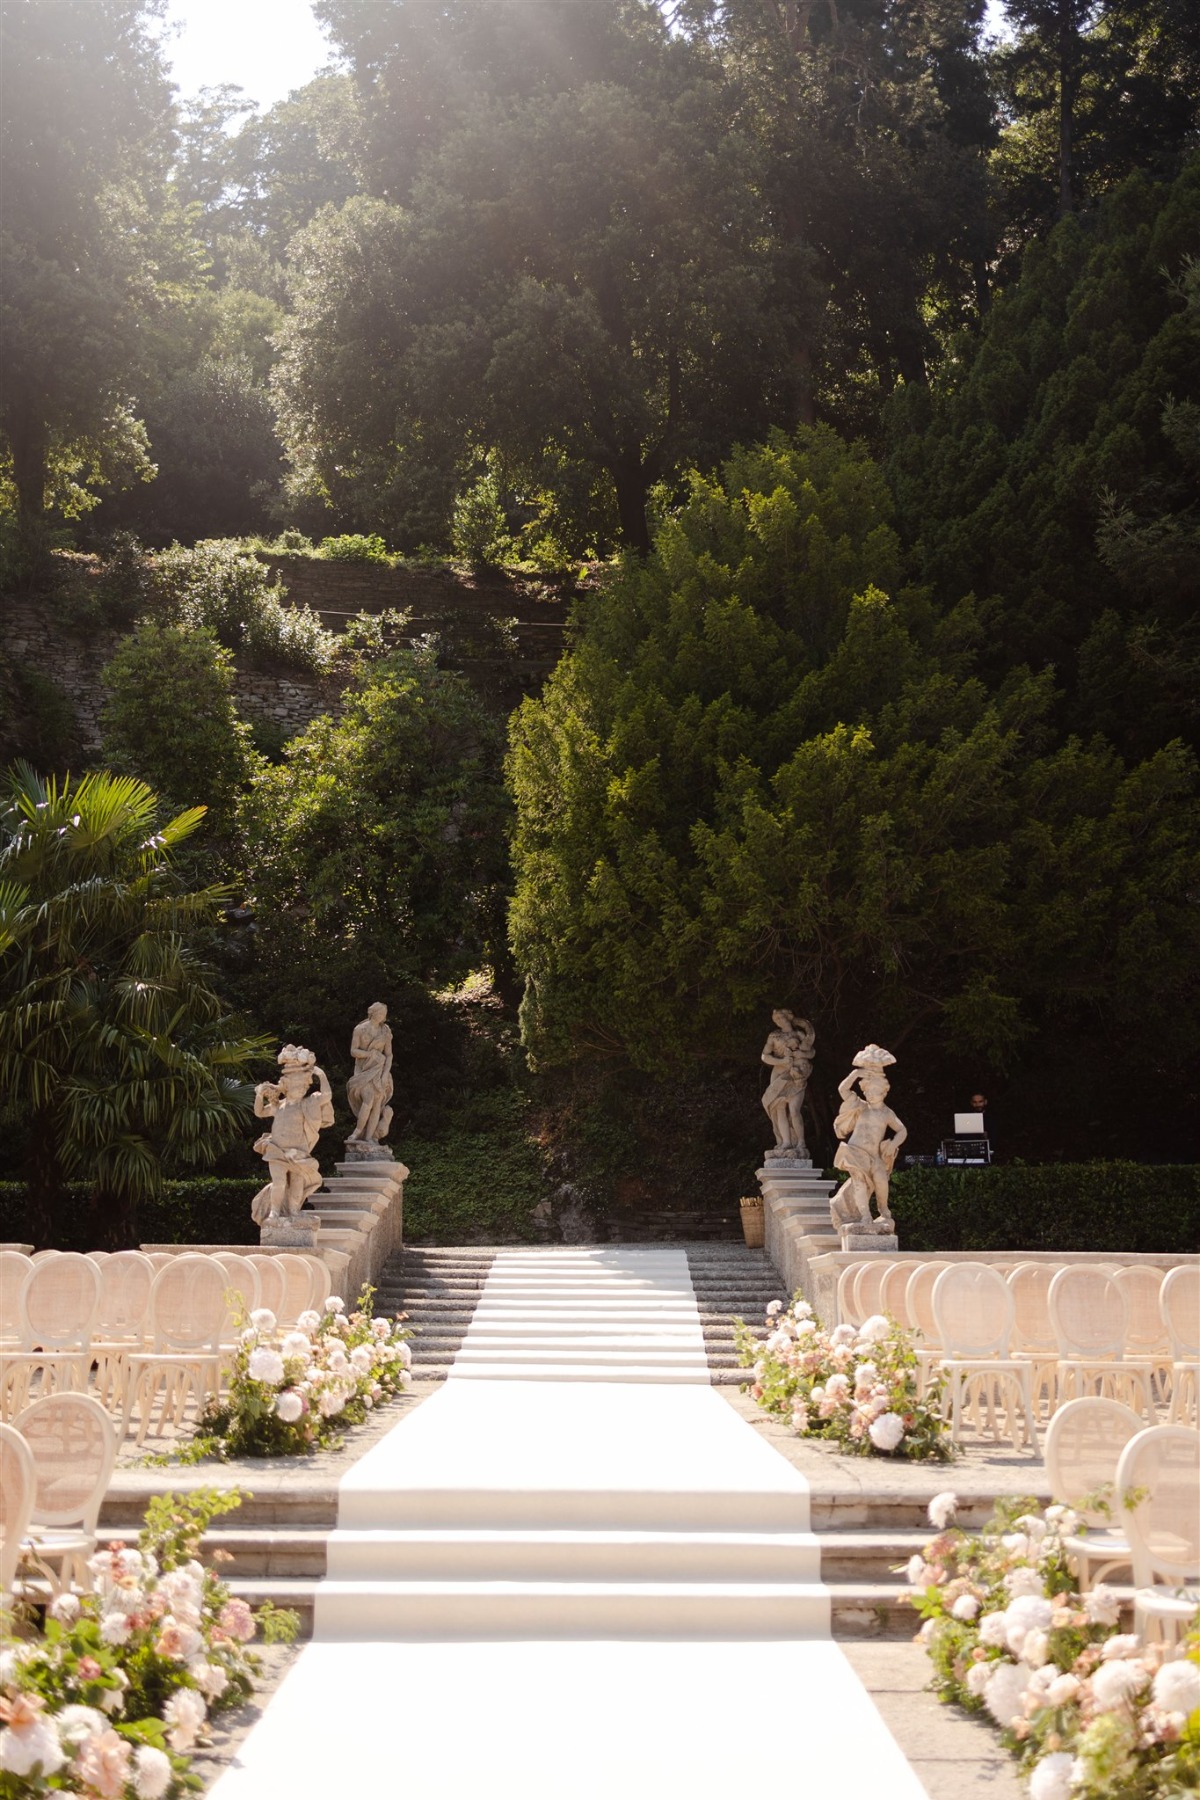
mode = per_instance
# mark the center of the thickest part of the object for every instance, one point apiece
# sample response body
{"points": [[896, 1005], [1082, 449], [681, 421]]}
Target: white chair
{"points": [[272, 1283], [1090, 1315], [241, 1280], [1147, 1340], [298, 1286], [1084, 1441], [1033, 1332], [893, 1293], [846, 1315], [187, 1316], [322, 1280], [974, 1310], [13, 1269], [1158, 1481], [867, 1286], [18, 1490], [918, 1302], [121, 1322], [158, 1259], [58, 1301], [73, 1446], [1179, 1301]]}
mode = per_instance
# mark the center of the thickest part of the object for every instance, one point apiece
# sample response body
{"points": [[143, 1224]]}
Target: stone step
{"points": [[589, 1556], [364, 1610]]}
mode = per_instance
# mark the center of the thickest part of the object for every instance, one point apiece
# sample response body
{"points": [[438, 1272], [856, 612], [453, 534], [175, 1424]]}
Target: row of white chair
{"points": [[1135, 1493], [127, 1328]]}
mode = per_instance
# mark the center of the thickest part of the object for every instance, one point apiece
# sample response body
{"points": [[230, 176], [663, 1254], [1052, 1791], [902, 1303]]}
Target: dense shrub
{"points": [[205, 1210], [225, 588], [354, 546], [1117, 1206], [170, 717]]}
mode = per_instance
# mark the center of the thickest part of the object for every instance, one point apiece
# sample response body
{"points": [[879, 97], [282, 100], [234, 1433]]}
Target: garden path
{"points": [[543, 1576]]}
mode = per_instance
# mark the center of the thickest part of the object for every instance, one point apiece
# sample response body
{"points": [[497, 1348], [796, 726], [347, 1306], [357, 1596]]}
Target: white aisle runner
{"points": [[574, 1573]]}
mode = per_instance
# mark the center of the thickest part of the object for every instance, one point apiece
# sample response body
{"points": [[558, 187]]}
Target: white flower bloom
{"points": [[335, 1304], [804, 1328], [775, 1306], [802, 1309], [403, 1356], [917, 1571], [1024, 1582], [1063, 1519], [993, 1630], [248, 1336], [1033, 1527], [1051, 1779], [265, 1366], [842, 1334], [78, 1722], [361, 1357], [978, 1676], [151, 1772], [873, 1330], [1029, 1612], [886, 1431], [297, 1343], [115, 1628], [33, 1746], [1035, 1650], [1116, 1682], [262, 1318], [210, 1678], [1063, 1689], [1005, 1692], [1126, 1643], [289, 1406], [330, 1404], [1177, 1687], [837, 1387], [185, 1712], [1016, 1543], [308, 1322], [865, 1374], [1101, 1605], [965, 1608], [65, 1608], [942, 1509]]}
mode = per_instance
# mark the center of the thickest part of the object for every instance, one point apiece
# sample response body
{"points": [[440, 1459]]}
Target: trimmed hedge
{"points": [[1117, 1206], [203, 1210]]}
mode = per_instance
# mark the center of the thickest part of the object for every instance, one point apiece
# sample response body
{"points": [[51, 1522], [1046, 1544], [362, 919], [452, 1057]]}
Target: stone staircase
{"points": [[731, 1282]]}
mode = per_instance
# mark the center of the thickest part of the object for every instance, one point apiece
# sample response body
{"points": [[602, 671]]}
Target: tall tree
{"points": [[86, 232]]}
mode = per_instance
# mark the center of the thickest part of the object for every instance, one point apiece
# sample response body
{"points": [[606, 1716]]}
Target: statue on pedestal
{"points": [[369, 1089], [298, 1117], [788, 1053], [866, 1152]]}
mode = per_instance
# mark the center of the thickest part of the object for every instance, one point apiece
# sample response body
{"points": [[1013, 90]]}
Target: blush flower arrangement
{"points": [[291, 1392], [855, 1386], [1091, 1711], [108, 1696]]}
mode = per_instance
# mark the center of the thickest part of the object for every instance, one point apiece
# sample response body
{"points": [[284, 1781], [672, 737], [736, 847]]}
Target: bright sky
{"points": [[269, 47], [266, 47]]}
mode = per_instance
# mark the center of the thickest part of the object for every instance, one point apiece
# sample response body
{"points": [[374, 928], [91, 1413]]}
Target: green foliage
{"points": [[202, 1209], [1001, 478], [757, 780], [113, 1047], [225, 589], [37, 721], [1135, 1208], [375, 851], [479, 1182], [170, 718], [478, 528], [175, 1524], [354, 547]]}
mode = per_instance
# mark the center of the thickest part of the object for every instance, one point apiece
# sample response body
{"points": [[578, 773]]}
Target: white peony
{"points": [[1036, 1649], [403, 1355], [965, 1608], [335, 1304], [886, 1431], [361, 1358], [210, 1678], [775, 1306], [1005, 1692], [978, 1676], [296, 1343], [1022, 1583], [1051, 1779], [263, 1319], [1116, 1682], [841, 1334], [1101, 1606], [873, 1330], [30, 1747], [151, 1772], [115, 1628], [1029, 1612], [265, 1366], [330, 1404], [917, 1571], [308, 1322], [1063, 1689], [78, 1722], [185, 1712], [1177, 1688], [993, 1630], [1016, 1543], [1126, 1643], [942, 1509], [65, 1608], [289, 1406]]}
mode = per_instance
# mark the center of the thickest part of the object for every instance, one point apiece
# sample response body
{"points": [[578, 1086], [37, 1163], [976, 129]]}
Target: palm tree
{"points": [[114, 1050]]}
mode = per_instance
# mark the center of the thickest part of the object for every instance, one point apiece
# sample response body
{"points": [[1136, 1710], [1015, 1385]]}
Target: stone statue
{"points": [[788, 1053], [369, 1089], [298, 1117], [865, 1151]]}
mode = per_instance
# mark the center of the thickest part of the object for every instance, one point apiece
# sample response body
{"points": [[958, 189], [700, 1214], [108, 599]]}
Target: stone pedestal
{"points": [[299, 1232], [859, 1241], [360, 1152], [795, 1216]]}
